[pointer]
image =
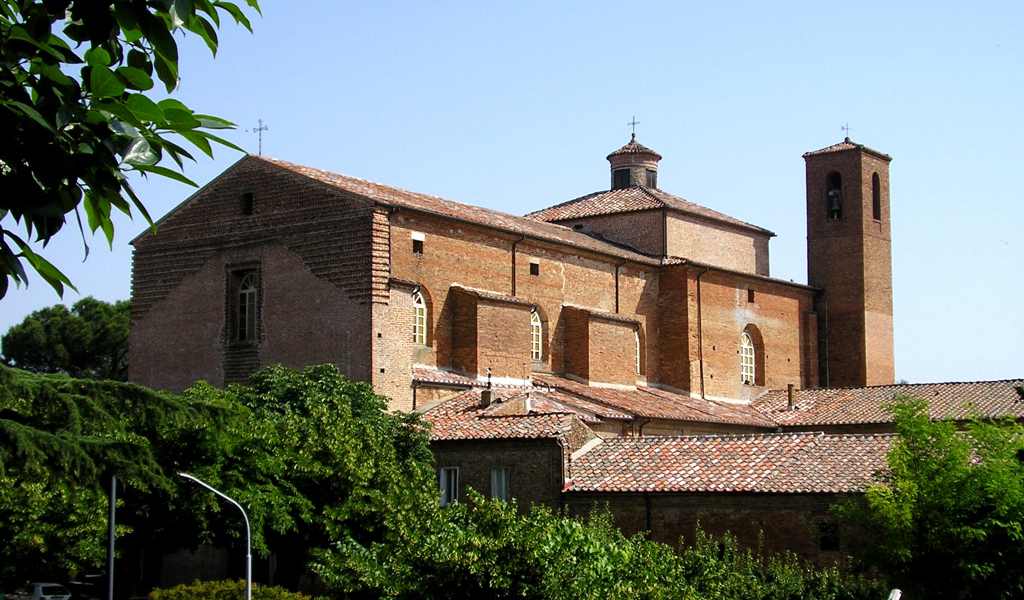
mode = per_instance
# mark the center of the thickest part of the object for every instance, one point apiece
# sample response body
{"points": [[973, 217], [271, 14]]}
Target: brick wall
{"points": [[612, 355], [715, 244], [535, 467], [475, 257], [780, 314], [318, 280], [642, 230]]}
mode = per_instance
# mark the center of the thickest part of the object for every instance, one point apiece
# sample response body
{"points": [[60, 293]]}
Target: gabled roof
{"points": [[634, 199], [395, 197], [773, 463], [847, 145], [464, 418], [656, 403], [860, 406]]}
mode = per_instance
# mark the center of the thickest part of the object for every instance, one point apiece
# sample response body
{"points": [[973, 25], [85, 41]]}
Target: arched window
{"points": [[636, 336], [747, 359], [536, 336], [876, 197], [834, 195], [245, 326], [419, 319]]}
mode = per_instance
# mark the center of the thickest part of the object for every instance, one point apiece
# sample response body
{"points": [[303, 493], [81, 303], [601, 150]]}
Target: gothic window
{"points": [[747, 358], [536, 336], [419, 319], [834, 196], [499, 484], [449, 485], [876, 197], [246, 307], [652, 178]]}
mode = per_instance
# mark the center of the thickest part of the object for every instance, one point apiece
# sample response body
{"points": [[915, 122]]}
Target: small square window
{"points": [[750, 294], [828, 537], [499, 484], [417, 246], [248, 203], [534, 267], [449, 485]]}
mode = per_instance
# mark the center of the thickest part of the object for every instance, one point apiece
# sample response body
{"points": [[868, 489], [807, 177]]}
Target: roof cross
{"points": [[260, 131], [634, 123], [846, 128]]}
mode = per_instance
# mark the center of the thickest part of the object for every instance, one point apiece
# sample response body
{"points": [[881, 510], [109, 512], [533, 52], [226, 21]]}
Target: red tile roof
{"points": [[463, 418], [655, 403], [847, 145], [633, 199], [778, 463], [853, 406], [634, 147], [425, 374], [489, 295], [391, 196]]}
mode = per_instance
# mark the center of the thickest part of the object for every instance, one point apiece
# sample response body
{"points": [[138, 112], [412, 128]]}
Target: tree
{"points": [[945, 519], [89, 341], [76, 119]]}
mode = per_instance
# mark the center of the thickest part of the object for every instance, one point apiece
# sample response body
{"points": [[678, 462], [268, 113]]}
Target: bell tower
{"points": [[849, 256]]}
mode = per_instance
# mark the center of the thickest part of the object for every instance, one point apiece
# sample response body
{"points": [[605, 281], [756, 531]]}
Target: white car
{"points": [[41, 591]]}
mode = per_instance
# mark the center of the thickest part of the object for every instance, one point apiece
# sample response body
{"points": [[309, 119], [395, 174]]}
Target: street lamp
{"points": [[248, 535]]}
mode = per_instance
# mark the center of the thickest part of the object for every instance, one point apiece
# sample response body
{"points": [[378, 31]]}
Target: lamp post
{"points": [[248, 535]]}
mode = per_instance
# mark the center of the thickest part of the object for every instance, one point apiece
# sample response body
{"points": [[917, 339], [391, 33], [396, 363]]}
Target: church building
{"points": [[628, 289], [627, 348]]}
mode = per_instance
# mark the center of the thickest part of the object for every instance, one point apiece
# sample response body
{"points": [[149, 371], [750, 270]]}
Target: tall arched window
{"points": [[245, 326], [419, 319], [536, 336], [876, 197], [834, 196], [636, 337], [747, 359]]}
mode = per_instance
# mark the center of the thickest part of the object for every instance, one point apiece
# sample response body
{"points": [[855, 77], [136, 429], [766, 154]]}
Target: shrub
{"points": [[224, 590]]}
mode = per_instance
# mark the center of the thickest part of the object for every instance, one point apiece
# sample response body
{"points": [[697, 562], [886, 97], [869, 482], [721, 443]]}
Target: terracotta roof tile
{"points": [[633, 199], [778, 463], [391, 196], [634, 147], [846, 145], [489, 295], [848, 406], [656, 403], [463, 418], [426, 374]]}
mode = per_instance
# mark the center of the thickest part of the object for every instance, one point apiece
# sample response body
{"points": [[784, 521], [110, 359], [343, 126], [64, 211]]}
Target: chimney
{"points": [[486, 397], [792, 398]]}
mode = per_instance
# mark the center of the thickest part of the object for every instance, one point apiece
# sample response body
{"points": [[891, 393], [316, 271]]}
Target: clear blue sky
{"points": [[514, 105]]}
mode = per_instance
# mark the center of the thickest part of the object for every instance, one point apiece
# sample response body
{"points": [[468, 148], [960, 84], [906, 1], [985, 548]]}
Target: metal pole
{"points": [[248, 535], [111, 522]]}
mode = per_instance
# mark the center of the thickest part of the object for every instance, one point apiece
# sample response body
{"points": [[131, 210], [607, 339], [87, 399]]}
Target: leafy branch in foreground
{"points": [[76, 119]]}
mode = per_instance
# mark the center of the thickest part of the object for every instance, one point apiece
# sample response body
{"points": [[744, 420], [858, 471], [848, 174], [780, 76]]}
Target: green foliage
{"points": [[76, 116], [60, 441], [485, 549], [223, 590], [944, 520], [89, 341], [350, 470]]}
